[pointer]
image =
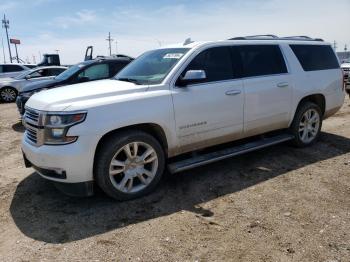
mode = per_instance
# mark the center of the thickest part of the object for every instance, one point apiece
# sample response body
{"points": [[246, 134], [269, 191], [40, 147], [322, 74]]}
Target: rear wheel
{"points": [[307, 124], [129, 165], [8, 94]]}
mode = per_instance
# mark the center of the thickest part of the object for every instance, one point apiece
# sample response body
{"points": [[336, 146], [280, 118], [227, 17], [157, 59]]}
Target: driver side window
{"points": [[216, 62], [95, 72]]}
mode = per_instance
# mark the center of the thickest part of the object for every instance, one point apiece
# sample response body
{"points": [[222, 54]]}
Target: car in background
{"points": [[345, 66], [96, 69], [12, 70], [11, 86]]}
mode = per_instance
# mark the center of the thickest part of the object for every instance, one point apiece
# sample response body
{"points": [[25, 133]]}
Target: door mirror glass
{"points": [[192, 76]]}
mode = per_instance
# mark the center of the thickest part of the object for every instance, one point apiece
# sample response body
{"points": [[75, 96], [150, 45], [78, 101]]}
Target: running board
{"points": [[208, 158]]}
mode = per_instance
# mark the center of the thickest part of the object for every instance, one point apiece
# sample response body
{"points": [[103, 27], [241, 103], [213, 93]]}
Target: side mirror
{"points": [[28, 77], [191, 76], [83, 79]]}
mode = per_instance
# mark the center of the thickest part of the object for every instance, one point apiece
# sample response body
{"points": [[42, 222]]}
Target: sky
{"points": [[44, 26]]}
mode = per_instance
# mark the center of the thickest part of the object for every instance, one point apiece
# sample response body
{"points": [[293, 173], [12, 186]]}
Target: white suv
{"points": [[121, 133]]}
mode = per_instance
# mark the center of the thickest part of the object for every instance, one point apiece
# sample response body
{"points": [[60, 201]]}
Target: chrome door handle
{"points": [[232, 92], [282, 84]]}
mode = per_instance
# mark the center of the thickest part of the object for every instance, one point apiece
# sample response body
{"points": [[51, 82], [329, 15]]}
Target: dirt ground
{"points": [[277, 204]]}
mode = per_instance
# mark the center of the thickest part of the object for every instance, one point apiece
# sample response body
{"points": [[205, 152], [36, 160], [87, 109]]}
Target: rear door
{"points": [[268, 88], [210, 112]]}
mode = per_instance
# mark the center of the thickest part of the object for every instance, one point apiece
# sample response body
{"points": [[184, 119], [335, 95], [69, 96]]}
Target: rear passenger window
{"points": [[260, 60], [315, 57], [216, 62]]}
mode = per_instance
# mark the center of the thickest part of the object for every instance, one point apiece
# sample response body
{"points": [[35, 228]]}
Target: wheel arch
{"points": [[151, 128], [318, 98]]}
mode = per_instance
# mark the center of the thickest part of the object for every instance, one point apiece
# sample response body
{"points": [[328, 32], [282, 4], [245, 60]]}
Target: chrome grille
{"points": [[33, 115], [34, 131], [31, 134]]}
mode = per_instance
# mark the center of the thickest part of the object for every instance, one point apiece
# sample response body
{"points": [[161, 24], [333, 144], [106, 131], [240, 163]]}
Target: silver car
{"points": [[10, 87]]}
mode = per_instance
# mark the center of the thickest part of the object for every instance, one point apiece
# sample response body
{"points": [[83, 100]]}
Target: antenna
{"points": [[188, 41]]}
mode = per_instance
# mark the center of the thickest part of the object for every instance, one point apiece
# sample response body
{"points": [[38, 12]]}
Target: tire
{"points": [[8, 94], [122, 177], [306, 125]]}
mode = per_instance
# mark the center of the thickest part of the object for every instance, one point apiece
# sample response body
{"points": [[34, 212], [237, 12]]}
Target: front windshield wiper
{"points": [[131, 80]]}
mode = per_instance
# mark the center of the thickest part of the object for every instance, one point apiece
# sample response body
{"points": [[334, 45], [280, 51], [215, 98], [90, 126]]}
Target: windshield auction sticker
{"points": [[173, 56]]}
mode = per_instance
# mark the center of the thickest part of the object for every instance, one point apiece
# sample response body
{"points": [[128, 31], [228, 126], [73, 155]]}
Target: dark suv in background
{"points": [[97, 69]]}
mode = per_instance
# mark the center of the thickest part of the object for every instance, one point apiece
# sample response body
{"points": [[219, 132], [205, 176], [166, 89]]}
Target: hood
{"points": [[83, 96], [40, 84], [6, 79]]}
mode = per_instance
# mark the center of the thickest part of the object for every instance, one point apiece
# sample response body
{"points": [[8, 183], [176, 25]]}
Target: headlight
{"points": [[56, 127]]}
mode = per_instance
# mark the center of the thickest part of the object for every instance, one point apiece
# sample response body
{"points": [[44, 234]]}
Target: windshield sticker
{"points": [[173, 56]]}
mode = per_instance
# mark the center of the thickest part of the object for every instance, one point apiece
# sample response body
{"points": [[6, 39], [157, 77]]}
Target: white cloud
{"points": [[138, 30], [82, 17]]}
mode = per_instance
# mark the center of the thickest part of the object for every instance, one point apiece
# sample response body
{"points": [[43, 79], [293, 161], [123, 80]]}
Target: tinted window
{"points": [[315, 57], [1, 68], [55, 71], [116, 67], [95, 72], [216, 62], [12, 68], [259, 60]]}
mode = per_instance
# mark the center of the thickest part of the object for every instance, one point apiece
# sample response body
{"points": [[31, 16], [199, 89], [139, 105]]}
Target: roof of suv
{"points": [[258, 39]]}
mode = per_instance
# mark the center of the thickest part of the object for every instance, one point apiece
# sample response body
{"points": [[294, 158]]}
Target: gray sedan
{"points": [[10, 87]]}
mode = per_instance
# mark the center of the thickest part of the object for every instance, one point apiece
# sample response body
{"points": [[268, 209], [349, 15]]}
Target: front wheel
{"points": [[307, 123], [8, 94], [129, 165]]}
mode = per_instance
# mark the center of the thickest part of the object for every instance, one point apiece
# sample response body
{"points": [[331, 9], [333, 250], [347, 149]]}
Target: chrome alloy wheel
{"points": [[133, 167], [309, 126], [8, 94]]}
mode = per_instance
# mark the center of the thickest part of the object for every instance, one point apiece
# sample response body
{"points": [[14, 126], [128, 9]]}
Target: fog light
{"points": [[57, 132]]}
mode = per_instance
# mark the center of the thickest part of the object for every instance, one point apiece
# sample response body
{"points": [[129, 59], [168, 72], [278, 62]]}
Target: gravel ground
{"points": [[277, 204]]}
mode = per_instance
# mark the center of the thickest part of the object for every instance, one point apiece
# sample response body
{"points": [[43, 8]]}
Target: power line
{"points": [[6, 25], [109, 39], [335, 45]]}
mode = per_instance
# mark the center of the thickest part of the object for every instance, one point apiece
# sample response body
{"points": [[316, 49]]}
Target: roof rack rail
{"points": [[274, 37]]}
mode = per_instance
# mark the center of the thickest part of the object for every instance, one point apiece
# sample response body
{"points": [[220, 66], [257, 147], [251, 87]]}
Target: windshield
{"points": [[151, 67], [69, 72], [23, 75]]}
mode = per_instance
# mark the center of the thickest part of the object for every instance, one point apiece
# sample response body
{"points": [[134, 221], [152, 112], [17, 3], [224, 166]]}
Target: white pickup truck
{"points": [[121, 133]]}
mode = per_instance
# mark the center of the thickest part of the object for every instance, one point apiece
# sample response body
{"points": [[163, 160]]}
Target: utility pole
{"points": [[116, 47], [3, 49], [109, 39], [335, 45], [6, 25]]}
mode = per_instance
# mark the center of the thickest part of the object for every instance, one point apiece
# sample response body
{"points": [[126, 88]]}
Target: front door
{"points": [[210, 112]]}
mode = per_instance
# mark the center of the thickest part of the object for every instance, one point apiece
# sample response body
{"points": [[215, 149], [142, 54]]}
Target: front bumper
{"points": [[69, 164], [20, 102], [82, 189]]}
